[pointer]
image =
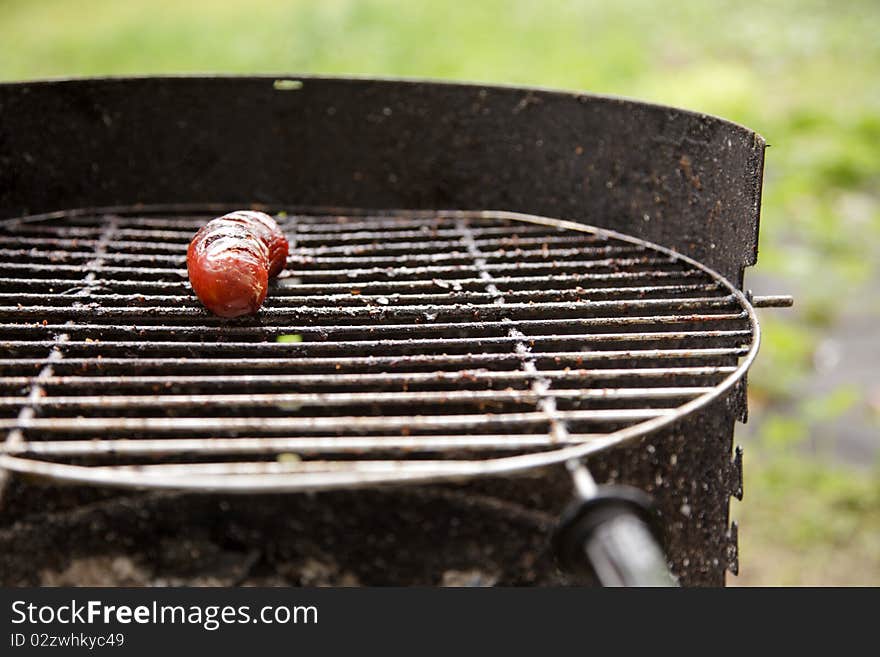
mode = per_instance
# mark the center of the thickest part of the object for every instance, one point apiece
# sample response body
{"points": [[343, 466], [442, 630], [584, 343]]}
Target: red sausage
{"points": [[231, 259]]}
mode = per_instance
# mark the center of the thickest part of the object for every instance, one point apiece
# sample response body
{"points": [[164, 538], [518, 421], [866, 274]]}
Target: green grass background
{"points": [[805, 74]]}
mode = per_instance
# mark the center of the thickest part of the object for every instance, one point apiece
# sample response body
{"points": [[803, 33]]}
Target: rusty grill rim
{"points": [[296, 477]]}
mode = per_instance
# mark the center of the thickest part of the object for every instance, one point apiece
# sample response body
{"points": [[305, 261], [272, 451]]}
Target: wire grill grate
{"points": [[428, 345]]}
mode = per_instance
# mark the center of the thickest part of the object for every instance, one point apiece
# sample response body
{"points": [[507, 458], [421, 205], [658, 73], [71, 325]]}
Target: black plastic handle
{"points": [[610, 536]]}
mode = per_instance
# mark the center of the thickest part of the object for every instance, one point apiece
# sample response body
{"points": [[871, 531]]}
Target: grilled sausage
{"points": [[231, 259]]}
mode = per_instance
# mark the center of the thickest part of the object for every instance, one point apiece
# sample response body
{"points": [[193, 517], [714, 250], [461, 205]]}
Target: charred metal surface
{"points": [[680, 468], [342, 539], [685, 180]]}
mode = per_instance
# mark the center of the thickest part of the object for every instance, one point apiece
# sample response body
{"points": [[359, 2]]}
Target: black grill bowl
{"points": [[686, 181]]}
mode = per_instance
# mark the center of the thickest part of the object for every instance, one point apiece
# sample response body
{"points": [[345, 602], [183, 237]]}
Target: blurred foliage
{"points": [[815, 524], [804, 73], [791, 358], [782, 430]]}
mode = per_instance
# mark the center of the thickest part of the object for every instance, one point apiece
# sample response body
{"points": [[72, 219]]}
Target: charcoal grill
{"points": [[417, 346]]}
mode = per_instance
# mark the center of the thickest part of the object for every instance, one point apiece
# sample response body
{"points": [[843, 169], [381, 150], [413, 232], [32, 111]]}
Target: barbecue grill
{"points": [[471, 355]]}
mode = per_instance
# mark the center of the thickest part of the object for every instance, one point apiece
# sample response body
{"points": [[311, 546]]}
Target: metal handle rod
{"points": [[623, 552], [583, 480], [770, 300], [618, 544]]}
